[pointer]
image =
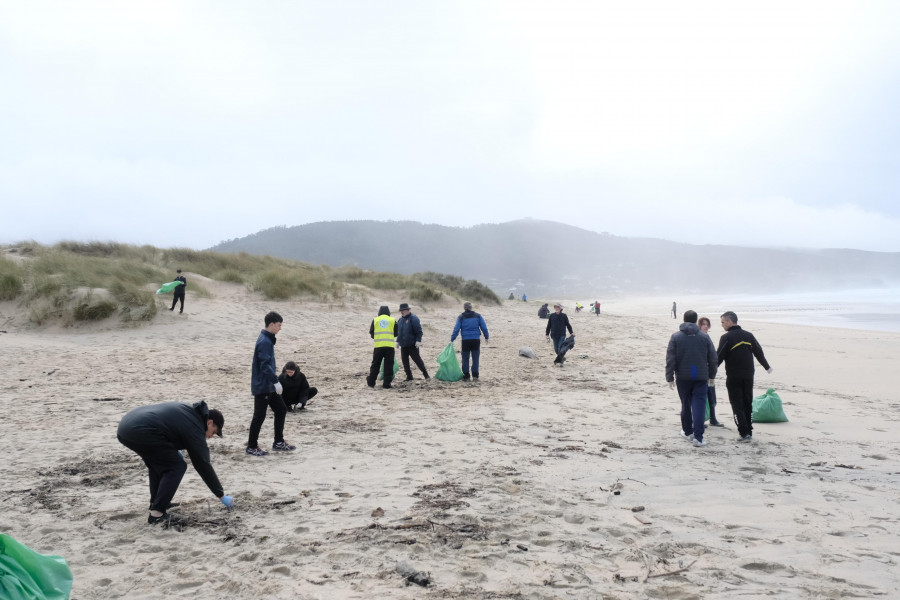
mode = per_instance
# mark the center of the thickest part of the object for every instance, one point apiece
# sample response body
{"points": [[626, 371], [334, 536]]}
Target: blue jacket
{"points": [[264, 374], [691, 355], [472, 325], [409, 331]]}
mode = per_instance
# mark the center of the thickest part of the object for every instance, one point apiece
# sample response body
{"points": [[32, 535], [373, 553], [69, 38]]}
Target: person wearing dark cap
{"points": [[470, 325], [179, 292], [156, 433], [409, 338], [383, 330]]}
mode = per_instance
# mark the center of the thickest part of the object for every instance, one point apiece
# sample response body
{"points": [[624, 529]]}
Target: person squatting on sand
{"points": [[383, 330], [737, 348], [409, 338], [470, 325], [266, 388], [704, 325], [296, 389], [691, 361], [557, 324], [157, 432]]}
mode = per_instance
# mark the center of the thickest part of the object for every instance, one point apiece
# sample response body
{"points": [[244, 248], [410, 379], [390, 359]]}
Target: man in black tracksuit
{"points": [[737, 348], [179, 292], [157, 432]]}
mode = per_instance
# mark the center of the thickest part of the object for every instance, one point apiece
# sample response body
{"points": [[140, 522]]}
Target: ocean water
{"points": [[871, 310]]}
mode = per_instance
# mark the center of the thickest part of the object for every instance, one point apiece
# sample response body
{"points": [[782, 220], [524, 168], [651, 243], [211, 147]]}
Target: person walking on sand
{"points": [[296, 389], [157, 433], [737, 347], [179, 292], [704, 325], [674, 310], [597, 308], [691, 362], [383, 331], [470, 325], [266, 388], [409, 339], [557, 324]]}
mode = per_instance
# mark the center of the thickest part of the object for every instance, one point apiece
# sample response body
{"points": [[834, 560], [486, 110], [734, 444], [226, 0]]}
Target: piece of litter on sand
{"points": [[522, 548], [642, 520], [637, 508]]}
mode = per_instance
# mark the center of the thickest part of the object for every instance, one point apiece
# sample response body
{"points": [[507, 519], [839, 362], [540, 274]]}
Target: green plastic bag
{"points": [[168, 287], [448, 365], [381, 369], [707, 409], [27, 575], [767, 408]]}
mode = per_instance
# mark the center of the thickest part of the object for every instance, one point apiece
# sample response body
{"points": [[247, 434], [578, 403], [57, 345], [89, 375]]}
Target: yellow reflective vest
{"points": [[384, 331]]}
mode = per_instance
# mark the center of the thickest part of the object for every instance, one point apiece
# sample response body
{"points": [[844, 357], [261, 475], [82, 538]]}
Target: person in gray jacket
{"points": [[409, 338], [157, 432], [691, 361]]}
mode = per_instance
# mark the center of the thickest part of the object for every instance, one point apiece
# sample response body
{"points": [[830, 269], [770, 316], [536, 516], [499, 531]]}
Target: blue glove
{"points": [[228, 501]]}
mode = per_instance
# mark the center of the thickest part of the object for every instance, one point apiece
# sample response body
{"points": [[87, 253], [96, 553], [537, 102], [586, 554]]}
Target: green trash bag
{"points": [[27, 575], [381, 369], [767, 408], [168, 287], [448, 365], [707, 409]]}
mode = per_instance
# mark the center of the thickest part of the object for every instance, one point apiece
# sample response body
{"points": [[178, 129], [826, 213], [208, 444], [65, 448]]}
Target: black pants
{"points": [[711, 399], [261, 402], [385, 353], [740, 394], [303, 397], [407, 352], [166, 467], [175, 301]]}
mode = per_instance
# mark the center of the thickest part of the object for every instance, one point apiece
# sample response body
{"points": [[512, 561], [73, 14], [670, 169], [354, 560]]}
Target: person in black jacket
{"points": [[409, 338], [737, 348], [543, 312], [296, 389], [157, 432], [557, 324], [179, 292]]}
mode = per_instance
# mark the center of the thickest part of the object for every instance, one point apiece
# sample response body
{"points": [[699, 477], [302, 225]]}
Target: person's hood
{"points": [[384, 310], [689, 328]]}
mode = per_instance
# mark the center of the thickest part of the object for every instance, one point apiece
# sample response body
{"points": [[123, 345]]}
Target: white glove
{"points": [[711, 383], [418, 344], [769, 370], [278, 388], [671, 385]]}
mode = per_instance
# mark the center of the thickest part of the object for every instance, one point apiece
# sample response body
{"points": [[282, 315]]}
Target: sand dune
{"points": [[536, 482]]}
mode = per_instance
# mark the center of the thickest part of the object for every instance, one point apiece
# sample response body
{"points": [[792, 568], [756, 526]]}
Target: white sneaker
{"points": [[689, 438], [699, 443]]}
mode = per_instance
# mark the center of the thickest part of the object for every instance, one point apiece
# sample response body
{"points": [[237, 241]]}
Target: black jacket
{"points": [[296, 388], [557, 324], [174, 426], [691, 355], [737, 348], [179, 290]]}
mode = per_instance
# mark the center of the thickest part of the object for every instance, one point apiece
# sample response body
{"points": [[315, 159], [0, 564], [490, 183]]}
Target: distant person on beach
{"points": [[691, 361], [470, 325], [704, 325], [409, 338], [674, 311], [524, 298], [157, 433], [296, 390], [578, 307], [179, 291], [266, 388], [737, 347], [596, 308], [557, 324], [382, 330], [543, 311]]}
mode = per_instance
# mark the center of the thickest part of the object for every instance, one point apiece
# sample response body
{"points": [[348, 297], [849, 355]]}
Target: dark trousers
{"points": [[261, 402], [166, 467], [711, 400], [175, 301], [473, 348], [693, 405], [407, 352], [386, 354], [740, 394]]}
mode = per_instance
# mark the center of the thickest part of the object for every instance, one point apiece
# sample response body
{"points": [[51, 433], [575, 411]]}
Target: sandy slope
{"points": [[523, 485]]}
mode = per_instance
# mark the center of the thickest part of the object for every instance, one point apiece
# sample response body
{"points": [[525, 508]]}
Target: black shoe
{"points": [[165, 519], [474, 376], [465, 377], [717, 424], [386, 386], [427, 376], [409, 378], [173, 308]]}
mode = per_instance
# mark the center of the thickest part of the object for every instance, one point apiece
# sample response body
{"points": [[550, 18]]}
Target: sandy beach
{"points": [[535, 482]]}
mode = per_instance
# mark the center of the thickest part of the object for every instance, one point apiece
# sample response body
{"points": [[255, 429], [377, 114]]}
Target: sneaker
{"points": [[746, 438], [284, 446], [165, 520], [256, 451], [409, 378], [465, 377], [427, 376], [688, 437], [699, 443], [386, 386], [717, 424], [474, 376]]}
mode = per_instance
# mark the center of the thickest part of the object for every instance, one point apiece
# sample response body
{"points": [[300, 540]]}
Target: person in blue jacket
{"points": [[266, 388], [409, 338], [470, 325]]}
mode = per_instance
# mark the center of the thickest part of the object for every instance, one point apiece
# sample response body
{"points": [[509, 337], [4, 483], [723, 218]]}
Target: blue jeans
{"points": [[693, 405], [473, 348], [558, 342]]}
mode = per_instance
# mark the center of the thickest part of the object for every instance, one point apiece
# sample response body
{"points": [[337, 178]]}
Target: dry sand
{"points": [[527, 484]]}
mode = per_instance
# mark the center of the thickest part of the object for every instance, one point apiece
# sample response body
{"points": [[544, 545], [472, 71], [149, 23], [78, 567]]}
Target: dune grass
{"points": [[76, 281]]}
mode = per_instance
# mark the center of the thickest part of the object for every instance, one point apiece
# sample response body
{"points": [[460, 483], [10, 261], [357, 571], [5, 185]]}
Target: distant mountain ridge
{"points": [[549, 257]]}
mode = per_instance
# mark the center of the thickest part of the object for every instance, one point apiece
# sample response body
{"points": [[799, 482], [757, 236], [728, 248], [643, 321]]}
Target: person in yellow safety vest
{"points": [[383, 330]]}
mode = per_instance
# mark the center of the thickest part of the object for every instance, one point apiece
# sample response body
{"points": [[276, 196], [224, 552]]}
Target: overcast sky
{"points": [[188, 123]]}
